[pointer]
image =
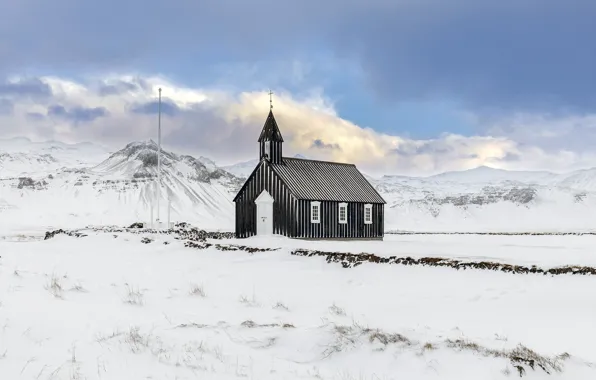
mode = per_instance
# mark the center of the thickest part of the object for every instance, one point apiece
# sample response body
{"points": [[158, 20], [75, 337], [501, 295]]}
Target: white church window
{"points": [[315, 212], [343, 213], [367, 214]]}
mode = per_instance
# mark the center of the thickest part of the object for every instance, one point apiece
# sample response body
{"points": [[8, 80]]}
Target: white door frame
{"points": [[264, 204]]}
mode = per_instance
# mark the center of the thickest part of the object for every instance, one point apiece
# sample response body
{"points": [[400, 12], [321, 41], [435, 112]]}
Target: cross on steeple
{"points": [[270, 100]]}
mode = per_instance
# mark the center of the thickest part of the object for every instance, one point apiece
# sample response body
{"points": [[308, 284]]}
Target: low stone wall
{"points": [[351, 260], [227, 247], [181, 231], [51, 234]]}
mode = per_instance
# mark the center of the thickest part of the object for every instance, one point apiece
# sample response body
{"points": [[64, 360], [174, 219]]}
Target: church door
{"points": [[264, 204]]}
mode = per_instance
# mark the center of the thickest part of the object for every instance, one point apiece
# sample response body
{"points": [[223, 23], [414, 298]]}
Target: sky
{"points": [[396, 87]]}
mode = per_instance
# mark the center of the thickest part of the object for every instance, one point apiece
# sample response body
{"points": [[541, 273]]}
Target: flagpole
{"points": [[158, 158]]}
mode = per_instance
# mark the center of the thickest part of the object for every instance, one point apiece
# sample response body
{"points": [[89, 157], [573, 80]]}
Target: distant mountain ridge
{"points": [[85, 183]]}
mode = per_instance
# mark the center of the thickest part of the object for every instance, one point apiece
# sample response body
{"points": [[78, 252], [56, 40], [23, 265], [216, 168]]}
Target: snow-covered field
{"points": [[107, 306]]}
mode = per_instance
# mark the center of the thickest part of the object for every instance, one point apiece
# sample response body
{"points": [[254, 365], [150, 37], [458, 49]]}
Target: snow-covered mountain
{"points": [[485, 198], [119, 189], [21, 156], [84, 183]]}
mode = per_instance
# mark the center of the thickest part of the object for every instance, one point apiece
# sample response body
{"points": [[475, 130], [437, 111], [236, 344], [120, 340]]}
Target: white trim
{"points": [[264, 197], [315, 205], [368, 207], [343, 206]]}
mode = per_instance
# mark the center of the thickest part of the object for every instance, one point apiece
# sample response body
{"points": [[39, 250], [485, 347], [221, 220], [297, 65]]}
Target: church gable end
{"points": [[263, 178]]}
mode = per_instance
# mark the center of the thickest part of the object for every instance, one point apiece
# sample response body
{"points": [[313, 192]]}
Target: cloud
{"points": [[573, 132], [27, 87], [77, 114], [152, 108], [318, 143], [490, 55], [225, 126], [6, 107], [118, 86], [494, 56]]}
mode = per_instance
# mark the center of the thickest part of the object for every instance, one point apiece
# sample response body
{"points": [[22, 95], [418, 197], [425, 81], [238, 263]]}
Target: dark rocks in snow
{"points": [[227, 247], [351, 260], [29, 183], [25, 182], [579, 197], [518, 195], [142, 174], [181, 231], [146, 240], [149, 159], [489, 194], [193, 244], [51, 234], [185, 232]]}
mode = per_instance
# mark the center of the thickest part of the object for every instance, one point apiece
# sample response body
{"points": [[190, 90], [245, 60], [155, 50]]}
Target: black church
{"points": [[306, 199]]}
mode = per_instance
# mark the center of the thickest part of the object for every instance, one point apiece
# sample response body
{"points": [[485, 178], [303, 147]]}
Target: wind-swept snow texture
{"points": [[107, 306]]}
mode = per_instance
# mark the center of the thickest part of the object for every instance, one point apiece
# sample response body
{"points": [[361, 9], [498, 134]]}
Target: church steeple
{"points": [[270, 140]]}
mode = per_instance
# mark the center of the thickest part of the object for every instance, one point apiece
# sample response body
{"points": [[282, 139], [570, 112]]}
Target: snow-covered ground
{"points": [[107, 306], [545, 250]]}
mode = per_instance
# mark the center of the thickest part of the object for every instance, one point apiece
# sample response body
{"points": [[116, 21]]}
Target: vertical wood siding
{"points": [[330, 228], [246, 210]]}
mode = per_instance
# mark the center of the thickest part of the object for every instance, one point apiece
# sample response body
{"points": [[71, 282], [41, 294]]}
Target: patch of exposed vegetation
{"points": [[521, 358]]}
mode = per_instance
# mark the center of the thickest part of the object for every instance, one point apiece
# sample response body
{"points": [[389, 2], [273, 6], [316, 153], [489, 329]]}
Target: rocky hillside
{"points": [[123, 188], [485, 199]]}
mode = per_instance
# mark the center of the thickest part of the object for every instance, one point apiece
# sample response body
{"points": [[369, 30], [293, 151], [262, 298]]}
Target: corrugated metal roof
{"points": [[326, 181]]}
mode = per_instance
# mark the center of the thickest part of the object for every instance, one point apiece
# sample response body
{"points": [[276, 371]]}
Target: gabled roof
{"points": [[325, 181], [270, 129]]}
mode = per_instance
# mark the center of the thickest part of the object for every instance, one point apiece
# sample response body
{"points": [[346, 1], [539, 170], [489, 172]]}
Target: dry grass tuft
{"points": [[334, 309], [281, 306], [78, 287], [251, 302], [197, 290], [54, 286], [134, 296], [136, 340]]}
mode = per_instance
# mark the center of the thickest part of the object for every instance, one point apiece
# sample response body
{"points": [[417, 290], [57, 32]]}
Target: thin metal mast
{"points": [[158, 158]]}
